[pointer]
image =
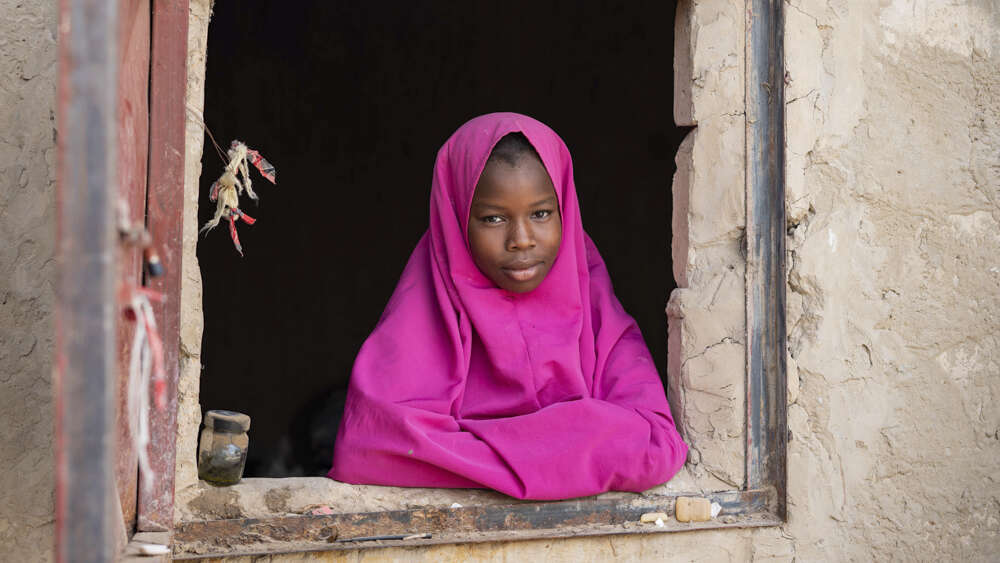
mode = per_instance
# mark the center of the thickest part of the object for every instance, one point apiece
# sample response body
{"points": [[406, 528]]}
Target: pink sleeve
{"points": [[584, 447]]}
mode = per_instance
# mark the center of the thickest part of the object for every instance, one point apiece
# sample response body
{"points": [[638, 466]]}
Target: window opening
{"points": [[351, 102]]}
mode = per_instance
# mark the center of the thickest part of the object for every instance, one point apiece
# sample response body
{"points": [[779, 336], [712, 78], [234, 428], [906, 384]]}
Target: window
{"points": [[374, 90], [368, 149]]}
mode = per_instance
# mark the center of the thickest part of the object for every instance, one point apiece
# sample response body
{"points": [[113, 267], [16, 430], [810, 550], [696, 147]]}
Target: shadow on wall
{"points": [[351, 103]]}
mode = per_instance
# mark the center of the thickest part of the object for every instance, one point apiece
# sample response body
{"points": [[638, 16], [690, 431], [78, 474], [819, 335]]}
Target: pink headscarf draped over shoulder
{"points": [[546, 395]]}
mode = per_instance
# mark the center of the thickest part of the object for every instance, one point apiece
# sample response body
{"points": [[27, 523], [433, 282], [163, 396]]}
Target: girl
{"points": [[503, 358]]}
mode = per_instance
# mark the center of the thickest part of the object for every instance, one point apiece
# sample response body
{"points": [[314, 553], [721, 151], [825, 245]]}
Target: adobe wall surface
{"points": [[27, 277], [893, 146], [191, 319]]}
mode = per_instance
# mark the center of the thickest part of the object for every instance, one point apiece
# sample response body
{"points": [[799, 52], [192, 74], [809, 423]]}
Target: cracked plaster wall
{"points": [[27, 277], [191, 318], [706, 313], [893, 164]]}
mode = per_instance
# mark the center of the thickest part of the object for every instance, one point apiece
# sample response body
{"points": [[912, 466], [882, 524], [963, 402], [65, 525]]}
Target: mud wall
{"points": [[893, 146], [27, 277], [191, 319]]}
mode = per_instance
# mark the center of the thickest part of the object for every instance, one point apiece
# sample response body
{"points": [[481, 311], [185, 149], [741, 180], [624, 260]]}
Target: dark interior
{"points": [[350, 101]]}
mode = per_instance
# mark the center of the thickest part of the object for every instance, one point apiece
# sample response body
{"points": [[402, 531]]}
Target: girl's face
{"points": [[514, 224]]}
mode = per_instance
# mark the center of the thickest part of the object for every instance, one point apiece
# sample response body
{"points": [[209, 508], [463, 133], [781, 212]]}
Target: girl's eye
{"points": [[541, 214], [492, 219]]}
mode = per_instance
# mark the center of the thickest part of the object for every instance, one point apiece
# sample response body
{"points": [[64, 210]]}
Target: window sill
{"points": [[289, 496], [269, 516]]}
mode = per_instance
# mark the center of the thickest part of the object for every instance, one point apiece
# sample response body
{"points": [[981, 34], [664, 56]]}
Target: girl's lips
{"points": [[522, 274]]}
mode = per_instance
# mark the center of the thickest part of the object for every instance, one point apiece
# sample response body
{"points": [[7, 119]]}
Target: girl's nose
{"points": [[520, 236]]}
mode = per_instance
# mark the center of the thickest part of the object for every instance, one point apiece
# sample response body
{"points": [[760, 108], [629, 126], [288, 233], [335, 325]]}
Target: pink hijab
{"points": [[549, 394]]}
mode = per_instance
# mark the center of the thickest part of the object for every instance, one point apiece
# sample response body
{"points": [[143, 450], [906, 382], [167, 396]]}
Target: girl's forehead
{"points": [[525, 182]]}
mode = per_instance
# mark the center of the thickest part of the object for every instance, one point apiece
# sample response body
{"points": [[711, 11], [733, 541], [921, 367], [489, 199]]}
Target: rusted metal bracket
{"points": [[767, 426]]}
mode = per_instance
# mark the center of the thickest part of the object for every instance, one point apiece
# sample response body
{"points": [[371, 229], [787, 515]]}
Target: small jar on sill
{"points": [[222, 450]]}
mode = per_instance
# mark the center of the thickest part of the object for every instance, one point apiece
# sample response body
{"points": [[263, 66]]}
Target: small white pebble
{"points": [[152, 549], [716, 509], [456, 505], [650, 517], [659, 522]]}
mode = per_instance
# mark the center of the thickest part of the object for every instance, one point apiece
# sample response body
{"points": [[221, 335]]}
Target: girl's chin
{"points": [[520, 289]]}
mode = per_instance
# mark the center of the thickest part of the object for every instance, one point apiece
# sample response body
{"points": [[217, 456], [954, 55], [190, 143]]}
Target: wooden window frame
{"points": [[88, 516], [83, 463]]}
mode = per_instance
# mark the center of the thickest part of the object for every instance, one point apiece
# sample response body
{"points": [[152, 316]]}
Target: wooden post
{"points": [[85, 300], [168, 80], [765, 278]]}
